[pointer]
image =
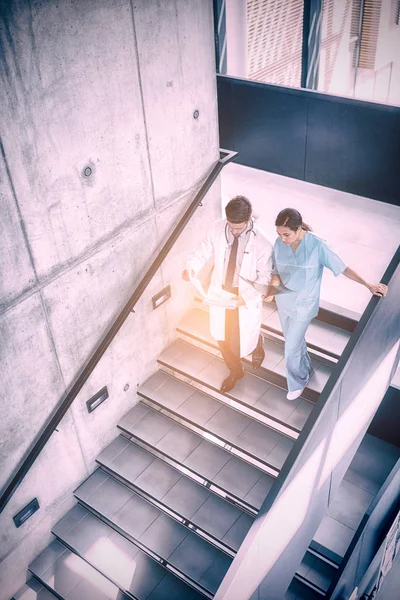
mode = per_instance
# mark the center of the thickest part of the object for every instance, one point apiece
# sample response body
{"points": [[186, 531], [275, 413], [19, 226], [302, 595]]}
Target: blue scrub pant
{"points": [[298, 363]]}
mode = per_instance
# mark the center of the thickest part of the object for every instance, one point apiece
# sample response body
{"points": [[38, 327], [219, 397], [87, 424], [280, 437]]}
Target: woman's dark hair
{"points": [[290, 217], [238, 210]]}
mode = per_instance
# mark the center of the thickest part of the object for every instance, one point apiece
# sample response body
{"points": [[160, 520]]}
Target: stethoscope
{"points": [[251, 230]]}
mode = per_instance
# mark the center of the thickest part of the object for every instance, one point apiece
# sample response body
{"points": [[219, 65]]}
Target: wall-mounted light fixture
{"points": [[161, 297], [24, 514], [97, 399]]}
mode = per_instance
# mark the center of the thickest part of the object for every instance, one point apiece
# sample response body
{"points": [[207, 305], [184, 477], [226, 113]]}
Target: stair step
{"points": [[34, 590], [242, 483], [133, 571], [159, 535], [299, 590], [257, 397], [316, 571], [324, 338], [251, 396], [296, 591], [212, 516], [70, 577], [202, 366], [253, 441], [367, 472]]}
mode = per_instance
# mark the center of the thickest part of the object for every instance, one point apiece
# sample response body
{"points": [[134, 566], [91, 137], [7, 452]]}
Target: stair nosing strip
{"points": [[45, 585], [310, 585], [274, 377], [323, 558], [72, 549], [185, 521], [240, 402], [200, 385], [225, 444], [235, 500], [273, 335], [278, 332], [210, 387], [35, 577], [165, 563], [328, 355]]}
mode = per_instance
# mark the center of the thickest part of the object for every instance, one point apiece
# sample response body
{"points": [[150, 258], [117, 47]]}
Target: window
{"points": [[352, 47], [274, 41]]}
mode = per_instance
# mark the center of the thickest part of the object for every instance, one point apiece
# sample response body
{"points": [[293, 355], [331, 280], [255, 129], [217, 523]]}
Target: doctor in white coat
{"points": [[239, 252]]}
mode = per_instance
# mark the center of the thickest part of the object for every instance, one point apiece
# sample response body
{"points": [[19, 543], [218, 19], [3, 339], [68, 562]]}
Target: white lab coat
{"points": [[256, 266]]}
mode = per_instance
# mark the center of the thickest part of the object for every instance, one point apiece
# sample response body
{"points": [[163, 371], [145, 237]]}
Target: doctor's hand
{"points": [[240, 302], [187, 274], [267, 298]]}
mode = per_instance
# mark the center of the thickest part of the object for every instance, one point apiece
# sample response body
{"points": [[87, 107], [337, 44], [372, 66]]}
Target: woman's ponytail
{"points": [[306, 227], [291, 218]]}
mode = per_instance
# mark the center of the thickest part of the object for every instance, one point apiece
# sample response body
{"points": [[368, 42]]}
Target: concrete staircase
{"points": [[176, 492]]}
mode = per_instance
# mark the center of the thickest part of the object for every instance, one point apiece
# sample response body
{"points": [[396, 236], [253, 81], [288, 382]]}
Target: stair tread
{"points": [[367, 472], [255, 438], [323, 336], [187, 498], [205, 367], [115, 556], [71, 577], [240, 479], [34, 590], [316, 570], [298, 591], [159, 533], [250, 393]]}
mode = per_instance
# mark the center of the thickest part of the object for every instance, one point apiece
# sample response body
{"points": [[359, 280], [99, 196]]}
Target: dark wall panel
{"points": [[354, 148], [225, 114], [269, 128], [340, 143]]}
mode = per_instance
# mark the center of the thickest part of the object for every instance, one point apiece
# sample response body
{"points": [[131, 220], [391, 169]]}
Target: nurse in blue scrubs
{"points": [[299, 260]]}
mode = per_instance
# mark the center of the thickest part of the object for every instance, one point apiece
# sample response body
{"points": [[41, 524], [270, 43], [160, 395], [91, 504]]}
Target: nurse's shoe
{"points": [[294, 395], [258, 354]]}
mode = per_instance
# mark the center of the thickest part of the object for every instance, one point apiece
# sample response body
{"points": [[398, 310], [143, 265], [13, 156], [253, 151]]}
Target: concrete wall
{"points": [[110, 84]]}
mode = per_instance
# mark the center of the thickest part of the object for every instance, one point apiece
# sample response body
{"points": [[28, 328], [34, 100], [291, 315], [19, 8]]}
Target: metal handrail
{"points": [[58, 413]]}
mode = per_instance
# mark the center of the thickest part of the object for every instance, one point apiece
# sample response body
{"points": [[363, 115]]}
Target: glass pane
{"points": [[359, 54], [353, 45], [261, 40], [274, 41]]}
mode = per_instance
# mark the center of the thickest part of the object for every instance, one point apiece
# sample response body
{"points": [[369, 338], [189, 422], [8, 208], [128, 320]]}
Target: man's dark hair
{"points": [[238, 210]]}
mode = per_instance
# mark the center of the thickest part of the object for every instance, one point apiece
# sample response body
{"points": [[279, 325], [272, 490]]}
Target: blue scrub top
{"points": [[301, 272]]}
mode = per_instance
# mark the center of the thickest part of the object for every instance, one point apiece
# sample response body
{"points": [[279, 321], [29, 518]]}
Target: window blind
{"points": [[274, 34], [369, 33]]}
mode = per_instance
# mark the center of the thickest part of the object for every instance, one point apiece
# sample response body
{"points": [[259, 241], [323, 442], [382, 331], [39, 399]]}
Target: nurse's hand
{"points": [[187, 274], [268, 298], [240, 302], [378, 289]]}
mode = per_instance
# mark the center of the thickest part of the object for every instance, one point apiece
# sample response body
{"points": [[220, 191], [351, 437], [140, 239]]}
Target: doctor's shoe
{"points": [[230, 382], [294, 395]]}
